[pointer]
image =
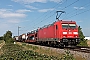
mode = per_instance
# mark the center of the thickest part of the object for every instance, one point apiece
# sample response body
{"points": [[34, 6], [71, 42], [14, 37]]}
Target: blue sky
{"points": [[31, 14]]}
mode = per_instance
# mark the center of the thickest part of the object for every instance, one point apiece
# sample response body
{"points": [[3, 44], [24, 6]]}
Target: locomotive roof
{"points": [[62, 21]]}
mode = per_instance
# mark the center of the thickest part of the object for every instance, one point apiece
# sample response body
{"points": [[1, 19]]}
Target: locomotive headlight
{"points": [[76, 36], [75, 32], [64, 36], [64, 32]]}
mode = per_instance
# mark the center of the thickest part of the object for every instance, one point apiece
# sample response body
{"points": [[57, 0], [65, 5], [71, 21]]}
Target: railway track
{"points": [[79, 48], [73, 48]]}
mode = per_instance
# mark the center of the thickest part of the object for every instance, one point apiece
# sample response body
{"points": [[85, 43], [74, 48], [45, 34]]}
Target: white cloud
{"points": [[10, 19], [12, 15], [5, 10], [30, 1], [56, 1], [23, 10], [31, 7], [33, 1], [45, 10], [79, 8], [15, 21], [10, 5], [75, 7], [8, 13]]}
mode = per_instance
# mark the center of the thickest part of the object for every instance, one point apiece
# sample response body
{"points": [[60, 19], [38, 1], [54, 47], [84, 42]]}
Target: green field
{"points": [[24, 51]]}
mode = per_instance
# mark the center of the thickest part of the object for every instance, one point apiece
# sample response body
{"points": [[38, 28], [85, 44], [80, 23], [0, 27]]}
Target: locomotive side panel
{"points": [[51, 32], [46, 34]]}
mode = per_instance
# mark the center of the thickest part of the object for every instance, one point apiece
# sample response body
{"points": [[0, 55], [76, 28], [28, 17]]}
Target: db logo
{"points": [[70, 32]]}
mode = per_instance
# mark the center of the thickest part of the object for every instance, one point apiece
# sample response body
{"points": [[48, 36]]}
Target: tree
{"points": [[1, 38], [83, 42], [8, 37], [81, 35]]}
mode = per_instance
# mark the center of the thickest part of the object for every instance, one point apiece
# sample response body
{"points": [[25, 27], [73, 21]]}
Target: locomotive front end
{"points": [[70, 34]]}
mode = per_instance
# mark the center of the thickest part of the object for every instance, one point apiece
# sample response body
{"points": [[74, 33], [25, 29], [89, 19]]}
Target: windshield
{"points": [[68, 25], [72, 25], [64, 25]]}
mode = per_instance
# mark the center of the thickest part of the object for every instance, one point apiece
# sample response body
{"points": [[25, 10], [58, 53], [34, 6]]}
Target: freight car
{"points": [[21, 38], [31, 37]]}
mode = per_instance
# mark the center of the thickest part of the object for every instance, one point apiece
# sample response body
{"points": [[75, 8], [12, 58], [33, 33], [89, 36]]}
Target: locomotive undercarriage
{"points": [[69, 41], [62, 43]]}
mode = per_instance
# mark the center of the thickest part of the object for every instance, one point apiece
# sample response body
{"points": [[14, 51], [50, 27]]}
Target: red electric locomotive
{"points": [[61, 33]]}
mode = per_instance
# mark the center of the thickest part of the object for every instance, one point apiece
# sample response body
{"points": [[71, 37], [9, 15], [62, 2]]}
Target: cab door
{"points": [[56, 32]]}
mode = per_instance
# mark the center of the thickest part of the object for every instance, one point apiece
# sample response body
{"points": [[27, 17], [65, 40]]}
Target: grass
{"points": [[79, 58], [24, 49], [1, 45], [88, 43], [1, 41], [17, 52], [47, 51]]}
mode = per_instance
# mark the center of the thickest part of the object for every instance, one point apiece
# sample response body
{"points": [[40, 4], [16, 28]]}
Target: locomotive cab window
{"points": [[64, 25], [69, 26], [72, 25]]}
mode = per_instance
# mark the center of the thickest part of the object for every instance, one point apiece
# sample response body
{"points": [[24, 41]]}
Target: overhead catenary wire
{"points": [[47, 13], [74, 12], [55, 12], [70, 4], [79, 13]]}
